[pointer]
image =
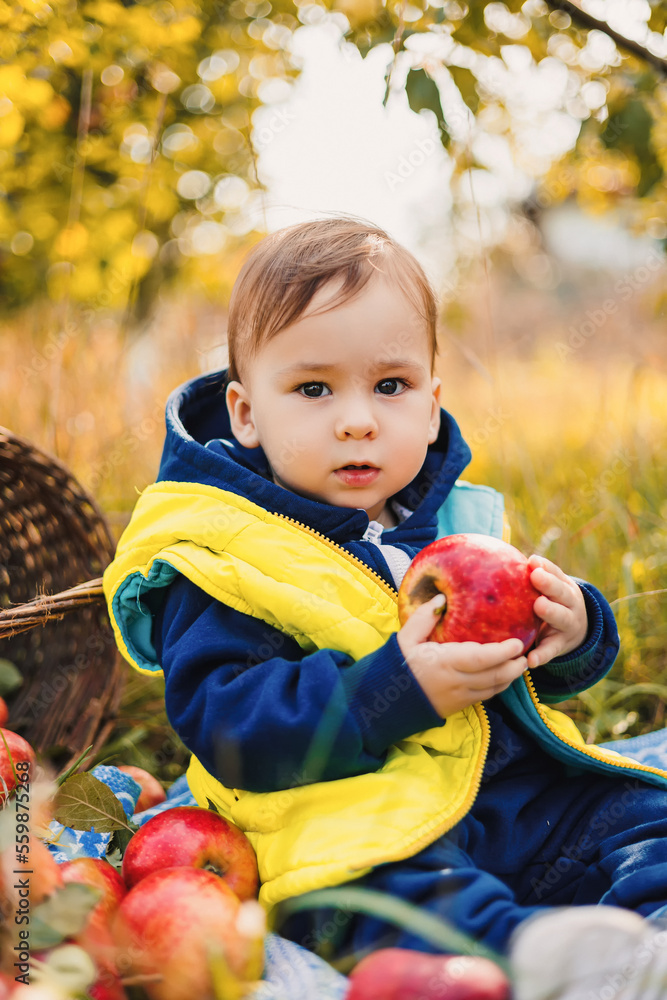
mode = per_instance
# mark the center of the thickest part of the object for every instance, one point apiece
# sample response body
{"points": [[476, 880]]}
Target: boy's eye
{"points": [[388, 386], [312, 389]]}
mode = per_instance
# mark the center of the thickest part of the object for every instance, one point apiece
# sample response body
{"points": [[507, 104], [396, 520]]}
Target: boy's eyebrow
{"points": [[378, 366]]}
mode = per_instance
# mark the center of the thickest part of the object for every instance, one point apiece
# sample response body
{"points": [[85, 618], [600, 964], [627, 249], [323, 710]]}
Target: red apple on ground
{"points": [[196, 838], [4, 712], [100, 874], [6, 986], [97, 941], [46, 874], [401, 974], [152, 792], [15, 753], [173, 924], [107, 988], [486, 583]]}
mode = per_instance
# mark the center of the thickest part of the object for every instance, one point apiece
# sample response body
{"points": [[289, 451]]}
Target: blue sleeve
{"points": [[565, 676], [262, 716]]}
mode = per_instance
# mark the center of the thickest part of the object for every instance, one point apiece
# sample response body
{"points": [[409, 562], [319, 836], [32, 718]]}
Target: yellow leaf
{"points": [[225, 88], [105, 11], [161, 203], [186, 30], [35, 94], [44, 225], [71, 242], [11, 128], [12, 81], [124, 262], [55, 114], [118, 227], [86, 281], [36, 7], [359, 11]]}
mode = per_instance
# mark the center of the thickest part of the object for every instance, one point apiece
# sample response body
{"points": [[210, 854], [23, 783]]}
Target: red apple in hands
{"points": [[197, 838], [401, 974], [152, 792], [172, 924], [486, 583], [16, 760]]}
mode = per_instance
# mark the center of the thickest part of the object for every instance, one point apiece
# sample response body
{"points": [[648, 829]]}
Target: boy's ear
{"points": [[434, 426], [240, 415]]}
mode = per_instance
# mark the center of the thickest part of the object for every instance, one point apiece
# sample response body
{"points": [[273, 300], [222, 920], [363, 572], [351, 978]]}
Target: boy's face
{"points": [[350, 386]]}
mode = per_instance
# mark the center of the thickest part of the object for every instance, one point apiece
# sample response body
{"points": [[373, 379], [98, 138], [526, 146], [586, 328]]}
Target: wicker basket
{"points": [[52, 538]]}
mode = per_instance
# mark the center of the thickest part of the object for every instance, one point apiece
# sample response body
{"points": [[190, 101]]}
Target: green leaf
{"points": [[114, 854], [467, 84], [10, 677], [423, 94], [86, 803], [395, 911], [473, 31], [119, 841], [64, 913]]}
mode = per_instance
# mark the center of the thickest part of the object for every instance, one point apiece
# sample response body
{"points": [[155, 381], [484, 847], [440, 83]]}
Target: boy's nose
{"points": [[357, 421]]}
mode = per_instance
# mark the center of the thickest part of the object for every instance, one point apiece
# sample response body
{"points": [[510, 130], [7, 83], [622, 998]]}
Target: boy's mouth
{"points": [[357, 475], [357, 467]]}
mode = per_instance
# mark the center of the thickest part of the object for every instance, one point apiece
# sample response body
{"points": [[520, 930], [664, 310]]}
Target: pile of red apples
{"points": [[179, 919]]}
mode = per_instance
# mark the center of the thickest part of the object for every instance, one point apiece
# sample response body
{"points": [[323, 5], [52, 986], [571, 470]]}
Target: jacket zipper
{"points": [[464, 808], [588, 752], [436, 832], [391, 591]]}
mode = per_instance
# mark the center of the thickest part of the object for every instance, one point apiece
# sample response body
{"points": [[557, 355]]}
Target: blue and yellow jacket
{"points": [[274, 621]]}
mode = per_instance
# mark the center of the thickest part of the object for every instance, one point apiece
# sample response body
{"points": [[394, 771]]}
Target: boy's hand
{"points": [[454, 675], [562, 610]]}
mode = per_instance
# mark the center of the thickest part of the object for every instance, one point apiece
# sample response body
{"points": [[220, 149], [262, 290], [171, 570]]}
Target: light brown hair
{"points": [[284, 270]]}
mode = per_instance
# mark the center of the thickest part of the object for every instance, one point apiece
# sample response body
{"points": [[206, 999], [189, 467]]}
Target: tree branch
{"points": [[585, 20]]}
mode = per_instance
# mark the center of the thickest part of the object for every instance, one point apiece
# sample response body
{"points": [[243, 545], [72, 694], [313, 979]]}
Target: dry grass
{"points": [[574, 437]]}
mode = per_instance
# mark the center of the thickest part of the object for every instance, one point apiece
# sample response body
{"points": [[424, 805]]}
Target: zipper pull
{"points": [[373, 532]]}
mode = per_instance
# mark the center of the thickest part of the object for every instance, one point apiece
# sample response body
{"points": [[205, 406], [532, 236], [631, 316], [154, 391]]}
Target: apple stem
{"points": [[216, 869], [153, 977]]}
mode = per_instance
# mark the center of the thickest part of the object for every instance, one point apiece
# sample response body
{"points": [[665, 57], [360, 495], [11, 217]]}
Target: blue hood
{"points": [[200, 447]]}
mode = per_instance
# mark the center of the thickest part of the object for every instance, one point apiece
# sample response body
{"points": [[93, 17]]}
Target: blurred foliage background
{"points": [[130, 190], [127, 147]]}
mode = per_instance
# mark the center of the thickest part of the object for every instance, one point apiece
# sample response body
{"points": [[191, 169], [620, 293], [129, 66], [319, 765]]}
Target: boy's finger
{"points": [[421, 622], [545, 652], [474, 657], [557, 589], [498, 678], [557, 615], [540, 562]]}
